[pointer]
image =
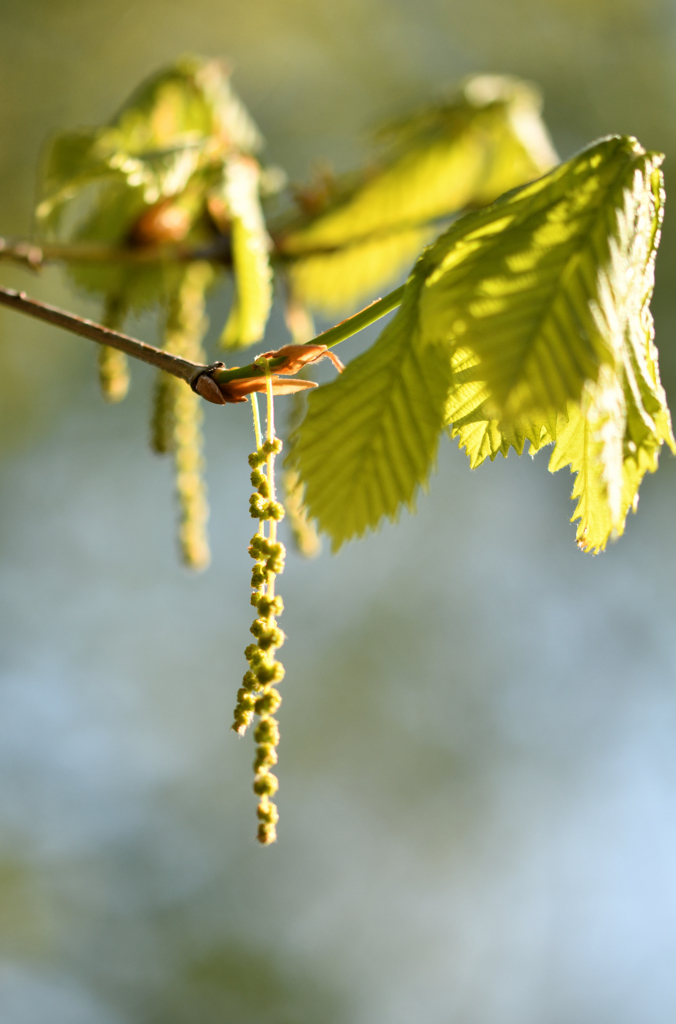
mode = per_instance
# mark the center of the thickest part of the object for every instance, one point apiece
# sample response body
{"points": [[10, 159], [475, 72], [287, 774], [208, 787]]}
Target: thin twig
{"points": [[176, 365], [183, 368], [218, 251], [34, 256]]}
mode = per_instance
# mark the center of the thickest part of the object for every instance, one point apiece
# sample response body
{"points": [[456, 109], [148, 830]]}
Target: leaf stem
{"points": [[270, 589], [256, 420], [346, 328]]}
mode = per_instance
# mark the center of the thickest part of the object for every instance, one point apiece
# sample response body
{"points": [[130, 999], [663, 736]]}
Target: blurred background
{"points": [[478, 768]]}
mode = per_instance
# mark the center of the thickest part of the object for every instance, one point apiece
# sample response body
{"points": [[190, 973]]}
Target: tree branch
{"points": [[35, 256], [176, 365]]}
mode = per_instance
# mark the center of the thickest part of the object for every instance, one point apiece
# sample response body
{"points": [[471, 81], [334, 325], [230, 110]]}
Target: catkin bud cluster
{"points": [[176, 424], [258, 694], [113, 364]]}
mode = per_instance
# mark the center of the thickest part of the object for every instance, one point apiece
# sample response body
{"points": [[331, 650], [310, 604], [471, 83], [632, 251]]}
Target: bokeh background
{"points": [[478, 761]]}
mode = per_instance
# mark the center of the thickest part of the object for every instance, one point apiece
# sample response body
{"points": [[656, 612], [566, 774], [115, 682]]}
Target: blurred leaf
{"points": [[144, 178], [370, 437], [250, 255], [179, 120], [442, 160], [108, 222], [70, 163], [333, 281]]}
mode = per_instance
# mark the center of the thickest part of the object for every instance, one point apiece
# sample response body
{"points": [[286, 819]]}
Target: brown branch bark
{"points": [[183, 368]]}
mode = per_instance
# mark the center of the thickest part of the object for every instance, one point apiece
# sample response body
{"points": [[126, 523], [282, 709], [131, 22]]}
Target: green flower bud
{"points": [[266, 757], [266, 784], [272, 637], [259, 576], [257, 478], [269, 672], [271, 447], [267, 834], [256, 459], [267, 811], [242, 721], [267, 731], [250, 680], [268, 606], [257, 508], [268, 703], [257, 660], [245, 701], [274, 510]]}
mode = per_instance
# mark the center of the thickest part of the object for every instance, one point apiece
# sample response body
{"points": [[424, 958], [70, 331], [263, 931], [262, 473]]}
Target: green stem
{"points": [[369, 315], [345, 329], [256, 420]]}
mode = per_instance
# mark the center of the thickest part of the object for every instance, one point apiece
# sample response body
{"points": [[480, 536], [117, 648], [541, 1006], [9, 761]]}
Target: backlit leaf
{"points": [[454, 155], [518, 286], [612, 439], [533, 314], [144, 179], [370, 437], [250, 254]]}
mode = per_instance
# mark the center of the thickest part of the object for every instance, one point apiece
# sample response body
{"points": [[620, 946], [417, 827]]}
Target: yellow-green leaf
{"points": [[333, 281], [250, 254], [518, 285], [613, 437], [370, 437], [458, 154]]}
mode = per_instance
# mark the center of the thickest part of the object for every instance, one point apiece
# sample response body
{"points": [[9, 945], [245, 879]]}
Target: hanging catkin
{"points": [[177, 412], [113, 364], [258, 693]]}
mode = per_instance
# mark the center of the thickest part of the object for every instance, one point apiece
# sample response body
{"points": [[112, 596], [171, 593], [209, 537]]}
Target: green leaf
{"points": [[517, 286], [469, 420], [369, 438], [332, 282], [182, 118], [611, 431], [250, 252], [69, 164], [612, 439], [167, 147], [589, 440], [454, 155], [527, 321]]}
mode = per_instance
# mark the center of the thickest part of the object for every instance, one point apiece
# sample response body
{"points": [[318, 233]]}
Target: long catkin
{"points": [[176, 424]]}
